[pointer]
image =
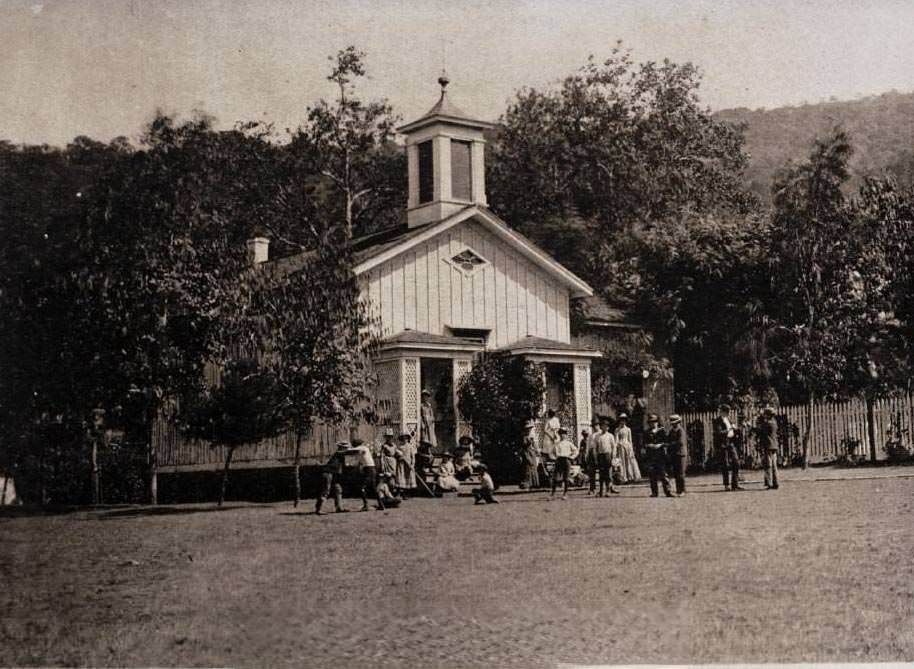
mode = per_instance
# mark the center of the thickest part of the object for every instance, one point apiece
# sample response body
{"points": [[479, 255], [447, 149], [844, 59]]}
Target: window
{"points": [[426, 172], [467, 261], [461, 171]]}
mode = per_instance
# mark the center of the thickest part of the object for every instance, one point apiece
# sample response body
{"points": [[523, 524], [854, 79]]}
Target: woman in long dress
{"points": [[626, 450], [447, 475], [389, 455], [406, 465], [427, 427]]}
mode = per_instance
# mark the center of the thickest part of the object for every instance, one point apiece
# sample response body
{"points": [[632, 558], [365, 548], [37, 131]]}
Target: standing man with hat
{"points": [[768, 440], [606, 453], [368, 471], [725, 445], [530, 456], [654, 447], [331, 480], [589, 453], [678, 450], [564, 452]]}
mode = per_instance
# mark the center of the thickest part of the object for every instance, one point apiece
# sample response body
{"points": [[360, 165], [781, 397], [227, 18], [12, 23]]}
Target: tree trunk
{"points": [[152, 459], [807, 433], [225, 475], [297, 468], [871, 425], [96, 489]]}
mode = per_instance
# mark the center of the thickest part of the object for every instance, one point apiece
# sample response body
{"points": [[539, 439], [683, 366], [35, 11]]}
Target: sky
{"points": [[103, 67]]}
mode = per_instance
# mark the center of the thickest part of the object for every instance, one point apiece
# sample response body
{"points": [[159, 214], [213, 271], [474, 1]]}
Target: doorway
{"points": [[437, 376]]}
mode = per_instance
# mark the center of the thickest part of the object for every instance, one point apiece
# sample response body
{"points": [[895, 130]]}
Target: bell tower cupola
{"points": [[445, 149]]}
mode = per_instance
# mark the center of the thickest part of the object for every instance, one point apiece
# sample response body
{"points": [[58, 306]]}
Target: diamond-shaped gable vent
{"points": [[468, 260]]}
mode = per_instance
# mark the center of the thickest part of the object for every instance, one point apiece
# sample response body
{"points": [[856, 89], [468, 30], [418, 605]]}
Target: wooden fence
{"points": [[835, 427]]}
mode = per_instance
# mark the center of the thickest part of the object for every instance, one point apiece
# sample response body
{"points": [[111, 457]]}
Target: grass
{"points": [[814, 572]]}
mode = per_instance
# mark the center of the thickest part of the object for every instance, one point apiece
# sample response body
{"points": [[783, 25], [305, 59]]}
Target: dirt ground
{"points": [[817, 571]]}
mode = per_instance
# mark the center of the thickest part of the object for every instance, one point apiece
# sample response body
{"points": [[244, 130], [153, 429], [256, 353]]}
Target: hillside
{"points": [[881, 129]]}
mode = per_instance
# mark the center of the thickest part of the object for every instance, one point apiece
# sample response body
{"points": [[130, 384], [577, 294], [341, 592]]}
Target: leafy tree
{"points": [[346, 147], [497, 397], [317, 336], [244, 409]]}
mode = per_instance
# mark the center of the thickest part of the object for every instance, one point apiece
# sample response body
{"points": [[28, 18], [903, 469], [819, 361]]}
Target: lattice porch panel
{"points": [[410, 393], [461, 369], [582, 398], [388, 395]]}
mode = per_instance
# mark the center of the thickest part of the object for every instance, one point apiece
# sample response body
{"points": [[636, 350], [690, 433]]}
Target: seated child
{"points": [[486, 490], [447, 475], [386, 498]]}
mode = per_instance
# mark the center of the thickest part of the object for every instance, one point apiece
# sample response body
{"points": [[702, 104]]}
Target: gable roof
{"points": [[374, 249]]}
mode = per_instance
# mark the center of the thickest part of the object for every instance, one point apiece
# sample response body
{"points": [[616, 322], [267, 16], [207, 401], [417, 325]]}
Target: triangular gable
{"points": [[495, 225]]}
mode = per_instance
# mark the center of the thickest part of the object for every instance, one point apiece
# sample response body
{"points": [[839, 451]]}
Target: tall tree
{"points": [[356, 171]]}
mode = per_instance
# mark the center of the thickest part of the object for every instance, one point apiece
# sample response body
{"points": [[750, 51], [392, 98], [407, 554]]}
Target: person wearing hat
{"points": [[550, 433], [406, 465], [677, 451], [564, 452], [655, 450], [463, 458], [331, 480], [486, 490], [588, 455], [530, 456], [389, 453], [447, 475], [606, 453], [386, 497], [768, 443], [725, 446], [367, 470], [427, 421], [626, 447]]}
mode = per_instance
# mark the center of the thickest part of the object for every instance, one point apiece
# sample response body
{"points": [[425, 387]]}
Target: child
{"points": [[386, 498], [486, 490]]}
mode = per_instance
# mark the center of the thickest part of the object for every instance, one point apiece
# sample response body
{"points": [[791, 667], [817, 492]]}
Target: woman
{"points": [[531, 457], [406, 465], [626, 450], [389, 454], [447, 475]]}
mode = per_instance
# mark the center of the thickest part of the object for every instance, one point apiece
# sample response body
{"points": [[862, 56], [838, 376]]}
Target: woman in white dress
{"points": [[626, 451], [447, 475], [406, 465]]}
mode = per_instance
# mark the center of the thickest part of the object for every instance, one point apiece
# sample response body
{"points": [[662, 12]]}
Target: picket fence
{"points": [[835, 427]]}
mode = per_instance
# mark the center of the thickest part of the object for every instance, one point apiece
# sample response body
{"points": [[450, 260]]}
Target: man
{"points": [[606, 452], [725, 445], [486, 490], [654, 448], [427, 428], [768, 441], [331, 480], [564, 452], [589, 456], [678, 450], [531, 457], [368, 472]]}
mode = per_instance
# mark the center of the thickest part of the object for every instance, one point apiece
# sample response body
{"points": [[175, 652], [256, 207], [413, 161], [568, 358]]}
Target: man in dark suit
{"points": [[655, 451], [677, 450], [768, 441], [725, 446]]}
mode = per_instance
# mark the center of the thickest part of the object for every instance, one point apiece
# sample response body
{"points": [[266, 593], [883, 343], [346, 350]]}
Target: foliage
{"points": [[497, 397], [356, 172]]}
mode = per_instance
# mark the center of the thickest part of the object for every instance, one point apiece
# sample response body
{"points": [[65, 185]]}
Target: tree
{"points": [[317, 338], [814, 299], [347, 147], [497, 397], [244, 409]]}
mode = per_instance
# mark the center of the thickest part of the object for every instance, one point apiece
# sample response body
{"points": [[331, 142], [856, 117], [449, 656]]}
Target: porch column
{"points": [[410, 389], [582, 397], [462, 367]]}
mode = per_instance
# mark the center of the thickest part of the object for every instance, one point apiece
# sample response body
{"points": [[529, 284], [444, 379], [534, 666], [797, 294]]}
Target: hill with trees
{"points": [[880, 127]]}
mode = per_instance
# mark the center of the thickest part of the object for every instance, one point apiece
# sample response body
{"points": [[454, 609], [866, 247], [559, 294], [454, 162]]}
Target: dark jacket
{"points": [[721, 440], [676, 442], [768, 434], [655, 438]]}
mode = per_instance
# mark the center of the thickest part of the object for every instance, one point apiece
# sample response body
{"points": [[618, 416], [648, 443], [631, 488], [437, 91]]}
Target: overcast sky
{"points": [[102, 67]]}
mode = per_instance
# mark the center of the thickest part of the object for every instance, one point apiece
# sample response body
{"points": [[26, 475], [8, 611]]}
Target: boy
{"points": [[386, 497], [564, 452], [486, 490], [331, 475]]}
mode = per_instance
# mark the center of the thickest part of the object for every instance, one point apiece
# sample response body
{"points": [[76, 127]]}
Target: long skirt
{"points": [[630, 470], [448, 483]]}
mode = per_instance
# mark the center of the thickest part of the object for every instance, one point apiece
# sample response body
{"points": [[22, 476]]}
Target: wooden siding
{"points": [[420, 290]]}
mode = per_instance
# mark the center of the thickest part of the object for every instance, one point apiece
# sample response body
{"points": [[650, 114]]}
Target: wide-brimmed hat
{"points": [[466, 439], [585, 431], [529, 424], [358, 442], [482, 468], [723, 407], [340, 445], [405, 436], [447, 455], [623, 416], [389, 432], [653, 418], [768, 409], [675, 418], [563, 430], [426, 392]]}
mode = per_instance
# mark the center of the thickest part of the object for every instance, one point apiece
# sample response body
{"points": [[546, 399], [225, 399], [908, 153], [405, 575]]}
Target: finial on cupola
{"points": [[443, 81]]}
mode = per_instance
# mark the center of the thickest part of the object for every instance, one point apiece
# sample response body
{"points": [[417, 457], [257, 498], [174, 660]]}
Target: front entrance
{"points": [[437, 376]]}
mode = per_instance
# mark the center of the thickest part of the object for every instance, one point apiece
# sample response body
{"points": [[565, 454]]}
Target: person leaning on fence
{"points": [[677, 451], [486, 490], [725, 445], [564, 453], [331, 477], [768, 443], [655, 449]]}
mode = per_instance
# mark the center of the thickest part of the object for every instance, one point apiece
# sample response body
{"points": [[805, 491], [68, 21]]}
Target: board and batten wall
{"points": [[420, 290]]}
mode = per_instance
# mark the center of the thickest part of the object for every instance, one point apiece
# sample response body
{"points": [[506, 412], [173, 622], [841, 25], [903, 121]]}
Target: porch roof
{"points": [[541, 346], [415, 339]]}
